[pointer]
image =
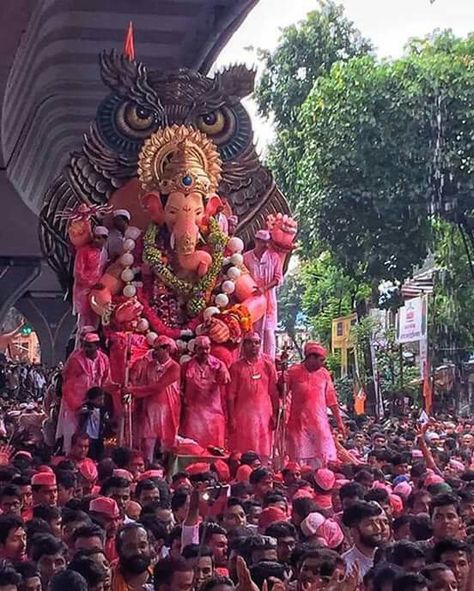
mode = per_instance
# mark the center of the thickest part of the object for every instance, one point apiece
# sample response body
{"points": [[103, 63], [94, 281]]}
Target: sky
{"points": [[387, 23]]}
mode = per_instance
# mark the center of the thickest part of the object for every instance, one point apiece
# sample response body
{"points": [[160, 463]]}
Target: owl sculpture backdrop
{"points": [[176, 151]]}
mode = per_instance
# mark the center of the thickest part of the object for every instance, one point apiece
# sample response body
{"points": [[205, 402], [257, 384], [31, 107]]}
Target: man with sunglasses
{"points": [[155, 378]]}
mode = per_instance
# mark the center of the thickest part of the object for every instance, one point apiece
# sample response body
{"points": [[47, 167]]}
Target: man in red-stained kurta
{"points": [[203, 380], [85, 368], [156, 380], [265, 267], [311, 391], [89, 264], [252, 399]]}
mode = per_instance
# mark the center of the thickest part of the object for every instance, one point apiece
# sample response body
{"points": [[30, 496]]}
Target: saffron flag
{"points": [[129, 44]]}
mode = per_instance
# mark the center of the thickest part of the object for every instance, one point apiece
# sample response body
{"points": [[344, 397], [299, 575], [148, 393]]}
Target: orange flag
{"points": [[359, 397], [129, 44]]}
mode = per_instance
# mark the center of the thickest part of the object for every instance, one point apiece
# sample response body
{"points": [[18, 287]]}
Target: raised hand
{"points": [[243, 575], [6, 452], [283, 229]]}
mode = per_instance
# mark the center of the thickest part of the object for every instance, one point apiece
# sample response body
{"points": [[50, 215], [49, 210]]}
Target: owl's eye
{"points": [[124, 124], [229, 128], [212, 123], [138, 117]]}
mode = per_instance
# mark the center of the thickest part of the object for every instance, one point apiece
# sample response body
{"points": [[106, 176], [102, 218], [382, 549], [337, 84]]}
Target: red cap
{"points": [[312, 348], [44, 468], [106, 506], [325, 479], [222, 470], [44, 479], [303, 493], [150, 475], [164, 341], [292, 467], [433, 479], [396, 504], [197, 468], [122, 473], [271, 515], [243, 473], [88, 469], [91, 337]]}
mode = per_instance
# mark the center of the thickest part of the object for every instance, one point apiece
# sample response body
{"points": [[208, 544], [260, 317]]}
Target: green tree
{"points": [[451, 323], [305, 52], [328, 293], [386, 145], [290, 304]]}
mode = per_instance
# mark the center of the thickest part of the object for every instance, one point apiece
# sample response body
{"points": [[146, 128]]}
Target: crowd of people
{"points": [[198, 475], [393, 512], [21, 380]]}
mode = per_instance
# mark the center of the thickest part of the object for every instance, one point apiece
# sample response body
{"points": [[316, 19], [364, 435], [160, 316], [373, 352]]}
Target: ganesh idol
{"points": [[184, 274]]}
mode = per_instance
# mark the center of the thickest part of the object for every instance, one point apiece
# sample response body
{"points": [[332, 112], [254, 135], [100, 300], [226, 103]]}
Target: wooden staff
{"points": [[126, 435], [279, 442]]}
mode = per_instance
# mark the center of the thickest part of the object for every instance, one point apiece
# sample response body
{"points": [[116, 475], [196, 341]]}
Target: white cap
{"points": [[263, 235], [122, 212], [101, 231]]}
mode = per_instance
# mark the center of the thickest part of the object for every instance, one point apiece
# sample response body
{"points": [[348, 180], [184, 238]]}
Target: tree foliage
{"points": [[376, 158], [306, 51], [328, 293], [290, 305], [386, 145], [452, 305]]}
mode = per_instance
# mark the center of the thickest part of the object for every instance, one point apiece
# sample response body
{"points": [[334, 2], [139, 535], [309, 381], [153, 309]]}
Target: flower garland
{"points": [[157, 324], [197, 293]]}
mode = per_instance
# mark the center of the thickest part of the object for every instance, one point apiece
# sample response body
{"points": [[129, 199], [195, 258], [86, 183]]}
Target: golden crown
{"points": [[179, 158]]}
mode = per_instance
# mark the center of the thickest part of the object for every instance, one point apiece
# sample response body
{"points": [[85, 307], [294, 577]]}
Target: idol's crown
{"points": [[179, 158]]}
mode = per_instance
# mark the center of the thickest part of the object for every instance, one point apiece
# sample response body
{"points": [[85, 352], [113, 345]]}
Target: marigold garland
{"points": [[198, 293]]}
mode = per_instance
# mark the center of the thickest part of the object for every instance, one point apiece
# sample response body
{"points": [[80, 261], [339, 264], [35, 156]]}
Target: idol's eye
{"points": [[137, 117], [212, 123]]}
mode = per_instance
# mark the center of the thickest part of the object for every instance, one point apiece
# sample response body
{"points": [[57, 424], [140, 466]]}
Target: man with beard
{"points": [[363, 520], [134, 559]]}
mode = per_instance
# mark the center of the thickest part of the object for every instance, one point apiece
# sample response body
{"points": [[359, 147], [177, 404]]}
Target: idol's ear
{"points": [[152, 204], [237, 81], [213, 205]]}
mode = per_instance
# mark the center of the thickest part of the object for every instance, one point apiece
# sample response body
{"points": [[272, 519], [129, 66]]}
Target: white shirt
{"points": [[355, 556], [93, 424]]}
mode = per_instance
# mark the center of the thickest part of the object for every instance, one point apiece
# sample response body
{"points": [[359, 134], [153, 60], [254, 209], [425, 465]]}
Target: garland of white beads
{"points": [[128, 275], [221, 301]]}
